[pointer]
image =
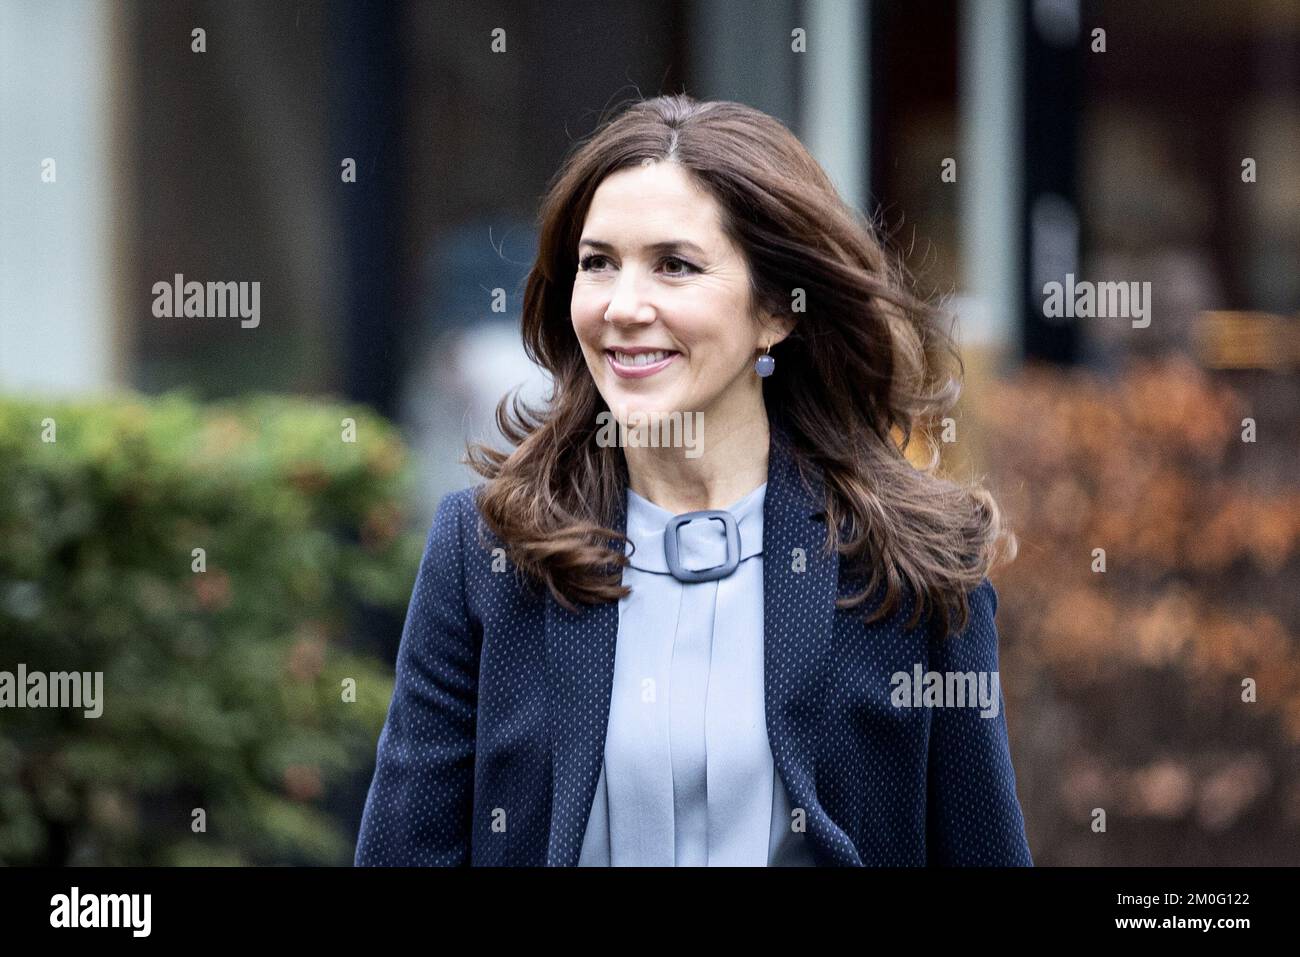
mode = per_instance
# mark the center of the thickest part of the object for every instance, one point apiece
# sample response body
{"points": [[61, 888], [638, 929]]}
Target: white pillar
{"points": [[836, 94], [57, 280], [989, 175]]}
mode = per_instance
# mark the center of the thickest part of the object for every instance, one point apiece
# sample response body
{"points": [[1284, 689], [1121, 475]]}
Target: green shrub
{"points": [[223, 689]]}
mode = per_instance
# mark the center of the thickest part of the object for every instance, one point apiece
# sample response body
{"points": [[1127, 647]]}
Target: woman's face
{"points": [[656, 272]]}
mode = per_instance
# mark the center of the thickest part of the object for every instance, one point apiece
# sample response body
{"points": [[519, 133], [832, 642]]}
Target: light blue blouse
{"points": [[688, 777]]}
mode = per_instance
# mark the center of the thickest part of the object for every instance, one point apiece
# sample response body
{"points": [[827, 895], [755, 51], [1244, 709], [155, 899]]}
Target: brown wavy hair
{"points": [[867, 366]]}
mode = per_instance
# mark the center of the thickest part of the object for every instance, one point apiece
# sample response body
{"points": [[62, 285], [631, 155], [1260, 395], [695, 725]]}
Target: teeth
{"points": [[641, 359]]}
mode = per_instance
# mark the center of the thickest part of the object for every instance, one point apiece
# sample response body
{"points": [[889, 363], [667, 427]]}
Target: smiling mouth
{"points": [[640, 365]]}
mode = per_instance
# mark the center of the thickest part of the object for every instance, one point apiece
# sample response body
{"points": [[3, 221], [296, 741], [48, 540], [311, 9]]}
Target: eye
{"points": [[585, 264]]}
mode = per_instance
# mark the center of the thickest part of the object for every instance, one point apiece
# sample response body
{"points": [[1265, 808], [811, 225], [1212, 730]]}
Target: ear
{"points": [[776, 328]]}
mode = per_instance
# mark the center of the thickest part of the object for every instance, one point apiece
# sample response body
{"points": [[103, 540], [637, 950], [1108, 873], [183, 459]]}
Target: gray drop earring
{"points": [[765, 365]]}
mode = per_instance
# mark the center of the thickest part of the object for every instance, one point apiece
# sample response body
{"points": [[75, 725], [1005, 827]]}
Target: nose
{"points": [[627, 305]]}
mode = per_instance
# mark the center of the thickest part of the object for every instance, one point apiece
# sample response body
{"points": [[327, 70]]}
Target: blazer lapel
{"points": [[800, 585], [580, 666], [798, 611]]}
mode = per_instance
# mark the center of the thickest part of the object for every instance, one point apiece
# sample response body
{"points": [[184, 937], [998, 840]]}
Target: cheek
{"points": [[586, 316]]}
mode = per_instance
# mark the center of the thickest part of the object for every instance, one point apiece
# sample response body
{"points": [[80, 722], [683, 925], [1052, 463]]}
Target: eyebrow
{"points": [[671, 245]]}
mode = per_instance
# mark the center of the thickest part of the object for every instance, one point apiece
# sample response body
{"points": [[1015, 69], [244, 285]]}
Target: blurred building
{"points": [[1001, 144]]}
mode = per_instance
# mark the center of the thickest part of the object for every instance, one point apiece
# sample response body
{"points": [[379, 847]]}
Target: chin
{"points": [[624, 406]]}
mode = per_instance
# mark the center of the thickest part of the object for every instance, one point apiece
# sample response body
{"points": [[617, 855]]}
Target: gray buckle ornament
{"points": [[672, 546]]}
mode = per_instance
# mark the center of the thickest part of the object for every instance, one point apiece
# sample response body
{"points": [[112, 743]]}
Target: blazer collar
{"points": [[796, 572]]}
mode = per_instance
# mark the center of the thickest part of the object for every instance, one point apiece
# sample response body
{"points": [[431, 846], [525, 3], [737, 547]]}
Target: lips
{"points": [[639, 365]]}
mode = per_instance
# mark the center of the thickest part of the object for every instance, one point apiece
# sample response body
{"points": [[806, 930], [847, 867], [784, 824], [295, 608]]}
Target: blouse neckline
{"points": [[646, 522]]}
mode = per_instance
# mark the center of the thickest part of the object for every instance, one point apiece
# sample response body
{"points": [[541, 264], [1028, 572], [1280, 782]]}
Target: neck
{"points": [[732, 464]]}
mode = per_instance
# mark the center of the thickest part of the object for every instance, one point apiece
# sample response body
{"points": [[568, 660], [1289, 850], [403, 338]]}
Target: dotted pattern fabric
{"points": [[493, 743]]}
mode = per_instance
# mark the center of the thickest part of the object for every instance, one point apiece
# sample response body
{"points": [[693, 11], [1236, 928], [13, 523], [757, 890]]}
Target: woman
{"points": [[681, 622]]}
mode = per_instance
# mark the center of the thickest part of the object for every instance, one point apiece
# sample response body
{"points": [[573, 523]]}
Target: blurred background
{"points": [[227, 520]]}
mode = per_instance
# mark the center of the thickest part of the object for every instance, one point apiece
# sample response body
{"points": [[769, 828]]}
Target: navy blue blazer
{"points": [[494, 738]]}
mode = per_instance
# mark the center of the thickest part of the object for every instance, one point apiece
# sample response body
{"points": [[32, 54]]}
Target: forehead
{"points": [[658, 201]]}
